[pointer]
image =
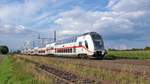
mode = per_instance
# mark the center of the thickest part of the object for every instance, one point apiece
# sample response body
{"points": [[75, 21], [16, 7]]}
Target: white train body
{"points": [[88, 44]]}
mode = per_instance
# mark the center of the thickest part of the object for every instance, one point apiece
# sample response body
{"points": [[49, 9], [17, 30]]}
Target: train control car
{"points": [[86, 45]]}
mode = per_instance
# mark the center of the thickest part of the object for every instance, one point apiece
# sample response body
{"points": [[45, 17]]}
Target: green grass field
{"points": [[128, 55], [15, 71]]}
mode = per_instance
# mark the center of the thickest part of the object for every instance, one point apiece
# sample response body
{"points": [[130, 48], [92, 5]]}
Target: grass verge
{"points": [[16, 71]]}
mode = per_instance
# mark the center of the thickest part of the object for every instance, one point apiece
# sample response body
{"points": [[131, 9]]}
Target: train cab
{"points": [[91, 44]]}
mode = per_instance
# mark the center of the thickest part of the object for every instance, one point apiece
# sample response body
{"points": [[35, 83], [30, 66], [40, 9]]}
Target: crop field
{"points": [[118, 67], [128, 55]]}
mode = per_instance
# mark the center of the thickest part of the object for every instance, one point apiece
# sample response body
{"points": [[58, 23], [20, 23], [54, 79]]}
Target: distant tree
{"points": [[4, 49], [147, 48], [111, 49], [136, 49]]}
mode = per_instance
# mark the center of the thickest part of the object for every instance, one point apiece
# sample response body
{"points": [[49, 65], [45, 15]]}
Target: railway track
{"points": [[118, 61], [133, 66], [64, 77], [118, 66]]}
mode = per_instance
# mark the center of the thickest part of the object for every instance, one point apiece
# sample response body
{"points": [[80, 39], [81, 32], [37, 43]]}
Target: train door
{"points": [[82, 45], [78, 47], [86, 44]]}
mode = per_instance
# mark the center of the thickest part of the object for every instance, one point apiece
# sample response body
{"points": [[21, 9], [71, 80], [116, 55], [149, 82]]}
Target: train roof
{"points": [[88, 33], [68, 40], [74, 38]]}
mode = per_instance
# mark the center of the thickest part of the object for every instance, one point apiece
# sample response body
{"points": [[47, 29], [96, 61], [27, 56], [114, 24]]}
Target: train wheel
{"points": [[82, 56], [87, 57], [79, 56]]}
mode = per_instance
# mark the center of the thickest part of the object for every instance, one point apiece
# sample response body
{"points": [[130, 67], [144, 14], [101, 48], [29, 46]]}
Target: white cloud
{"points": [[27, 13], [11, 29], [103, 22], [20, 29], [112, 3], [130, 5], [24, 12], [126, 20]]}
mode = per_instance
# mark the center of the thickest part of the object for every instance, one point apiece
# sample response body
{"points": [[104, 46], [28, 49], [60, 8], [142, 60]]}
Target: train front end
{"points": [[99, 50]]}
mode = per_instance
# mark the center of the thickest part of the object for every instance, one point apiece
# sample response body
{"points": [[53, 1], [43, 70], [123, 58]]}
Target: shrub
{"points": [[4, 50]]}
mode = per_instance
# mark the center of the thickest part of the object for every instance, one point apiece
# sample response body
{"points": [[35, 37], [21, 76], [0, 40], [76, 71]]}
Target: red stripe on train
{"points": [[70, 47]]}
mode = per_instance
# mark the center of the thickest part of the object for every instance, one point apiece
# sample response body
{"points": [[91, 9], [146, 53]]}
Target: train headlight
{"points": [[104, 52]]}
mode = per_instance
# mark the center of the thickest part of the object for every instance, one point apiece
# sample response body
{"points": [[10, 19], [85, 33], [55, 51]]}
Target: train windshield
{"points": [[98, 42]]}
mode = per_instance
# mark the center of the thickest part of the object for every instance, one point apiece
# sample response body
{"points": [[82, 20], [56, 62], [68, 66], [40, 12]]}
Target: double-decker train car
{"points": [[89, 45]]}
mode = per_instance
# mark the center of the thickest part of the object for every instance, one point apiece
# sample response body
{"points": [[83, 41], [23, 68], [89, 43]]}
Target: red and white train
{"points": [[86, 45]]}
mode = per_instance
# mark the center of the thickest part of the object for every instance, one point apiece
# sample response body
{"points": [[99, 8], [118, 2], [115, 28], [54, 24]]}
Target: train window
{"points": [[63, 51], [80, 43], [86, 44], [59, 50], [74, 49], [67, 50], [96, 37], [71, 50], [55, 50], [52, 48]]}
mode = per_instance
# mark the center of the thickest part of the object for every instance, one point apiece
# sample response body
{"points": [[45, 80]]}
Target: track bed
{"points": [[63, 77], [112, 71]]}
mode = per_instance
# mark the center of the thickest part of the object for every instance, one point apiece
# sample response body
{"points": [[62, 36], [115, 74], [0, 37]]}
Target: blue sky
{"points": [[122, 23]]}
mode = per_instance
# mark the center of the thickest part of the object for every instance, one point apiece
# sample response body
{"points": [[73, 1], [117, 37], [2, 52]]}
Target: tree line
{"points": [[133, 49], [4, 49]]}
